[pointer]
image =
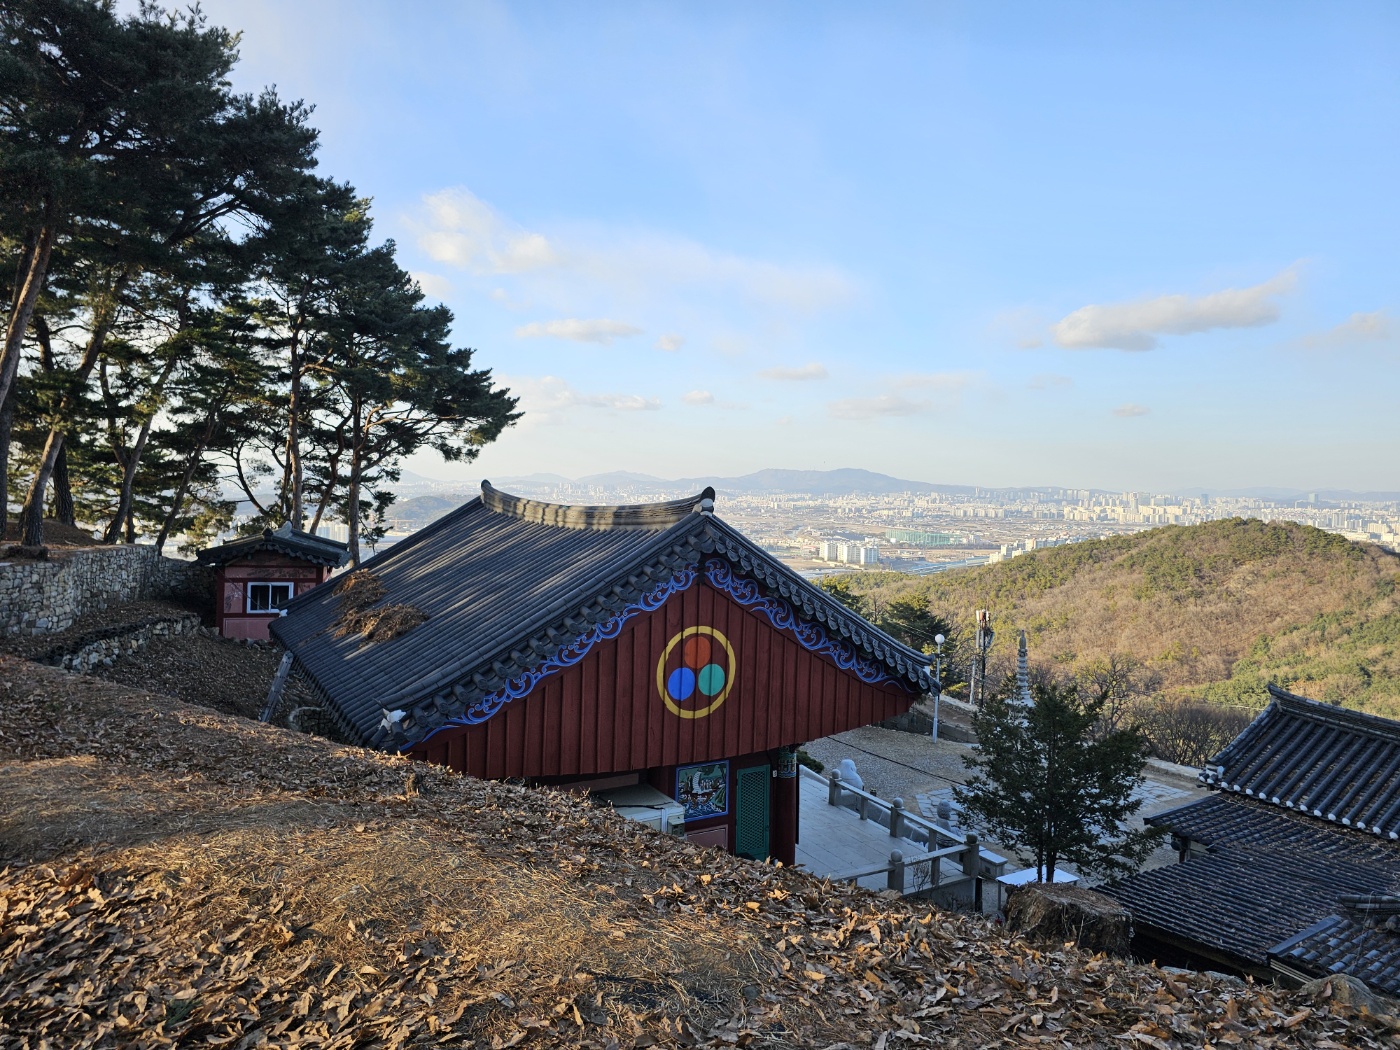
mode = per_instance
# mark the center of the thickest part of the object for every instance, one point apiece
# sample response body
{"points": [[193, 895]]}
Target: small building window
{"points": [[268, 597]]}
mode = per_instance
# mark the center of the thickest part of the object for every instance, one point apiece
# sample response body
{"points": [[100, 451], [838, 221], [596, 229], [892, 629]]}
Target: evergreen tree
{"points": [[1047, 780], [123, 143], [394, 384]]}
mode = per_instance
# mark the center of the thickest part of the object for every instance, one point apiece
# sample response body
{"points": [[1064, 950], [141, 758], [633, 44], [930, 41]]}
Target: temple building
{"points": [[256, 576], [1292, 869], [650, 654]]}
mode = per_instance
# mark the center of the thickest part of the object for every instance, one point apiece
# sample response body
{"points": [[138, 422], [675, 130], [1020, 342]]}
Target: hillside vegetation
{"points": [[170, 876], [1217, 610]]}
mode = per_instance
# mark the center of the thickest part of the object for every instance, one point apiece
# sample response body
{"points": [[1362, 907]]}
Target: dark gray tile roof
{"points": [[1229, 820], [505, 582], [1363, 940], [1338, 765], [1268, 874], [286, 540]]}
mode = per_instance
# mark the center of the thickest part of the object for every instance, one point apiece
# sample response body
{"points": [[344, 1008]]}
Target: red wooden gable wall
{"points": [[605, 714]]}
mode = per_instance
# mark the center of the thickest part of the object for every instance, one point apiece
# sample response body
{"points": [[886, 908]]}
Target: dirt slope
{"points": [[177, 877]]}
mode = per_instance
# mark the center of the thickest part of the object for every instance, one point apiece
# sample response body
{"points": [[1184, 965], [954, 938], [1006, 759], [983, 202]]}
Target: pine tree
{"points": [[1044, 782]]}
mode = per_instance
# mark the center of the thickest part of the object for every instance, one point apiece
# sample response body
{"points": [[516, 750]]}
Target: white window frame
{"points": [[271, 610]]}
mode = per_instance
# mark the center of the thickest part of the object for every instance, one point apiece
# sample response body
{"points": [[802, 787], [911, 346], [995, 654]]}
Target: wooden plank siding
{"points": [[604, 715]]}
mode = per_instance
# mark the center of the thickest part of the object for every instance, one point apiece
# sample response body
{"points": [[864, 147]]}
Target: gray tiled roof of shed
{"points": [[1339, 765], [289, 541], [1268, 873], [1362, 940], [1241, 902], [505, 581]]}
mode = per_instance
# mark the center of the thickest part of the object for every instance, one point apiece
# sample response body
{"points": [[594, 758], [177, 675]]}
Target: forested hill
{"points": [[1216, 609]]}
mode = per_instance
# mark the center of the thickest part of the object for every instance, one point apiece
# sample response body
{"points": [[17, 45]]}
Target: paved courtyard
{"points": [[922, 772]]}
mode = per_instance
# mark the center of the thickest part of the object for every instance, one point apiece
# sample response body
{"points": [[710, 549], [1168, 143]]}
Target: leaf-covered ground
{"points": [[177, 877]]}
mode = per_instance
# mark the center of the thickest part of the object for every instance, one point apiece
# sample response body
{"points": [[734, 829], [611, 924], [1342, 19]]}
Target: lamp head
{"points": [[938, 639]]}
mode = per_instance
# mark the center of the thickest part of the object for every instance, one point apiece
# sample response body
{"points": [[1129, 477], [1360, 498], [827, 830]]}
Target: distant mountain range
{"points": [[841, 482], [844, 481]]}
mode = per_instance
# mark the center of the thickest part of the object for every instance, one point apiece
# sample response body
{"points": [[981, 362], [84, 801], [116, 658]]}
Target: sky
{"points": [[1144, 246]]}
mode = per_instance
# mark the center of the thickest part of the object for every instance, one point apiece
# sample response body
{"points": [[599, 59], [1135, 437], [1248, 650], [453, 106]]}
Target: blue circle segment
{"points": [[681, 683]]}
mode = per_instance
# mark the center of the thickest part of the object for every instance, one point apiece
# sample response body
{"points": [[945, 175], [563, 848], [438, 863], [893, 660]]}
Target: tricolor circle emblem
{"points": [[695, 672]]}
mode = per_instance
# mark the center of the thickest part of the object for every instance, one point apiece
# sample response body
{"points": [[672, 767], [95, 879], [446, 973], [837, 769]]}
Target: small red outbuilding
{"points": [[256, 576]]}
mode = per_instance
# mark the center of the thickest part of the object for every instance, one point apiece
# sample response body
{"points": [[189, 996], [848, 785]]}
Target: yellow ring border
{"points": [[671, 705]]}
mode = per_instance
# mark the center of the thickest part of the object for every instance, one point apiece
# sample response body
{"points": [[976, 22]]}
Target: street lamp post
{"points": [[984, 642], [938, 640]]}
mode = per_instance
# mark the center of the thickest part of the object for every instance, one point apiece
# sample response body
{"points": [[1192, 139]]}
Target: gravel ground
{"points": [[895, 764]]}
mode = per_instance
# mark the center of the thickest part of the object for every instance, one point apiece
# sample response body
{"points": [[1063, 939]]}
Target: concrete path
{"points": [[833, 840]]}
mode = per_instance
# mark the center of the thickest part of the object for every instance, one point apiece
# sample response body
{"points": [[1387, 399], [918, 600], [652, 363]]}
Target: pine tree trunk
{"points": [[352, 510], [7, 419], [191, 465], [31, 517], [294, 409], [62, 488], [124, 514], [352, 505], [29, 279]]}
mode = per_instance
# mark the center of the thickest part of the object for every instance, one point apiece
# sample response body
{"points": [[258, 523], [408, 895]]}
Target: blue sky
{"points": [[1120, 245]]}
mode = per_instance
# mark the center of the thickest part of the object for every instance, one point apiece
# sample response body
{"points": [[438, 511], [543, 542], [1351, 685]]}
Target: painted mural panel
{"points": [[704, 790]]}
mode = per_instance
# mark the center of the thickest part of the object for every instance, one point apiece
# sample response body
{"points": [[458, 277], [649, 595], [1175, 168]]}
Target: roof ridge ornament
{"points": [[643, 516]]}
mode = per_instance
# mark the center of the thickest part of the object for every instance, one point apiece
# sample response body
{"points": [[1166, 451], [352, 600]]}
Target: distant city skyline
{"points": [[1090, 244]]}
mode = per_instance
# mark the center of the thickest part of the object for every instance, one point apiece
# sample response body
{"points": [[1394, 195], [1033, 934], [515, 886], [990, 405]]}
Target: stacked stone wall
{"points": [[123, 641], [41, 597]]}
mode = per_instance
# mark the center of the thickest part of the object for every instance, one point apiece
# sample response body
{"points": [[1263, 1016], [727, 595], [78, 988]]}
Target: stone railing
{"points": [[923, 872], [42, 597]]}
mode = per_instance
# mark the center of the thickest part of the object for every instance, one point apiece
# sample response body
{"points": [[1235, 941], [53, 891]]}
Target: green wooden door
{"points": [[751, 812]]}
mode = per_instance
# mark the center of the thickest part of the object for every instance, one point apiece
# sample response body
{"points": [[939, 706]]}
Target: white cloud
{"points": [[544, 398], [1130, 410], [1022, 327], [1358, 328], [795, 375], [433, 284], [698, 397], [1136, 326], [951, 382], [456, 227], [1048, 381], [884, 406], [601, 331], [670, 343], [463, 230]]}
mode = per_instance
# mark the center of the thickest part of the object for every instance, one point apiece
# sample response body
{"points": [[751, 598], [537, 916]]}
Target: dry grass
{"points": [[1215, 609], [359, 614]]}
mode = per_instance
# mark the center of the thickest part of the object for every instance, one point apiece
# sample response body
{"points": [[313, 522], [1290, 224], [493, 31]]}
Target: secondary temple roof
{"points": [[1338, 765]]}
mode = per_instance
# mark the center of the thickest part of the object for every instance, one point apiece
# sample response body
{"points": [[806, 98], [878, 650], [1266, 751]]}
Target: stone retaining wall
{"points": [[40, 597], [122, 641]]}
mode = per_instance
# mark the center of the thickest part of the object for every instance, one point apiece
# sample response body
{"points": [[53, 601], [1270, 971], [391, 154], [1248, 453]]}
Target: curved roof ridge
{"points": [[647, 516], [1320, 709]]}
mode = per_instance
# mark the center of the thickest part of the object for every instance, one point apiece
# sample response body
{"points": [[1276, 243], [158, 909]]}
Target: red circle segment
{"points": [[695, 651]]}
